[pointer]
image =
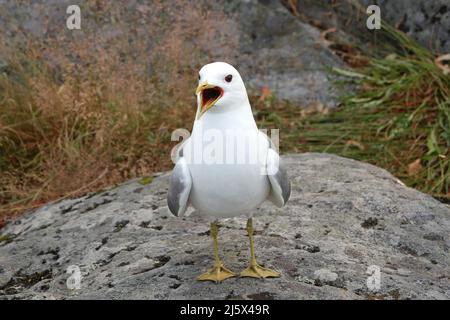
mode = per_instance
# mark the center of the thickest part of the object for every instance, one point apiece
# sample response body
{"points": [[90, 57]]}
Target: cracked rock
{"points": [[154, 255]]}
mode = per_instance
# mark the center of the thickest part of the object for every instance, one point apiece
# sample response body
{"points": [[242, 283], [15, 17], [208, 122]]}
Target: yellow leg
{"points": [[255, 270], [218, 272]]}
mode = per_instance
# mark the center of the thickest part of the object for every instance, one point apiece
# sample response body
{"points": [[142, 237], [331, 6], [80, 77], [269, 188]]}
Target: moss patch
{"points": [[146, 180]]}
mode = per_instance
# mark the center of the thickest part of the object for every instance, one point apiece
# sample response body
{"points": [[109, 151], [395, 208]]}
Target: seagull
{"points": [[227, 167]]}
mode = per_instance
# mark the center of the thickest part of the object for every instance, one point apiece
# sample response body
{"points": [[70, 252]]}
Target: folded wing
{"points": [[279, 181], [180, 188]]}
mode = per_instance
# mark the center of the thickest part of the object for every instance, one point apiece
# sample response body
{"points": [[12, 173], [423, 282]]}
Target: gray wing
{"points": [[180, 188], [279, 181]]}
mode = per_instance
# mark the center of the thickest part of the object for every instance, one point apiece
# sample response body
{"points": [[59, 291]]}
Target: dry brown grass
{"points": [[82, 112]]}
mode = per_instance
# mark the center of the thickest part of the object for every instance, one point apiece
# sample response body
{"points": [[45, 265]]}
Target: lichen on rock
{"points": [[322, 242]]}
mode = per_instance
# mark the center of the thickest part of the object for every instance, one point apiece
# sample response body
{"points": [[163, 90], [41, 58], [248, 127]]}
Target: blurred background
{"points": [[81, 110]]}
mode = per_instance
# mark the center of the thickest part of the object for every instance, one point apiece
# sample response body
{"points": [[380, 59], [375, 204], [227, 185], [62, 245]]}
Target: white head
{"points": [[220, 86]]}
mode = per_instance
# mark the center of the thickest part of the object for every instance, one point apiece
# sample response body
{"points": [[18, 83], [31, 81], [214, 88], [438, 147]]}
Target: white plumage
{"points": [[221, 177], [227, 167]]}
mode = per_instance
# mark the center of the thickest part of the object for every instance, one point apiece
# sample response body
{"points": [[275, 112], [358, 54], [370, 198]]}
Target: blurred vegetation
{"points": [[398, 118], [80, 118], [80, 112]]}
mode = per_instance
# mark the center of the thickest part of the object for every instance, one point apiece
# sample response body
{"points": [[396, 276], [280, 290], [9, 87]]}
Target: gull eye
{"points": [[228, 78], [199, 76]]}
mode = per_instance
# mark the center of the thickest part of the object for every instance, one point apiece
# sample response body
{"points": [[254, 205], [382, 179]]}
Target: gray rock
{"points": [[426, 21], [128, 246], [325, 275], [279, 51], [275, 48]]}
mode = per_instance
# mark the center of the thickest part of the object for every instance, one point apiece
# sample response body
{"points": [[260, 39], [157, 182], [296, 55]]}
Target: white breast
{"points": [[227, 181]]}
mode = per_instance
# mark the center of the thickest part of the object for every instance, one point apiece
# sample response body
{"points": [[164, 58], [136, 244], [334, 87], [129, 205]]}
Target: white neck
{"points": [[222, 118]]}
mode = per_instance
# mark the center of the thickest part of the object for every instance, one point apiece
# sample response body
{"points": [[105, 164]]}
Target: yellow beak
{"points": [[203, 86], [209, 95]]}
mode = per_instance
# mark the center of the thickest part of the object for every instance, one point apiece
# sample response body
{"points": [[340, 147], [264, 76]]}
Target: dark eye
{"points": [[199, 76], [228, 78]]}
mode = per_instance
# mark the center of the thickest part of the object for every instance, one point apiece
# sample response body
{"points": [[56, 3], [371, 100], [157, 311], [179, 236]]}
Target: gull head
{"points": [[220, 88]]}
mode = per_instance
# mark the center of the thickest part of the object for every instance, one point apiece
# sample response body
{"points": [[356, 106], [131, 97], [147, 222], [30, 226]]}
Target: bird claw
{"points": [[256, 271], [217, 273]]}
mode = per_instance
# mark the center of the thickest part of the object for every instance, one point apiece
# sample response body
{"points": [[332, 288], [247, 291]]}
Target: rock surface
{"points": [[426, 21], [279, 51], [343, 217], [275, 49]]}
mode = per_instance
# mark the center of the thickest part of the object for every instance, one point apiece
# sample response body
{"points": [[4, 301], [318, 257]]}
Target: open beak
{"points": [[209, 95]]}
